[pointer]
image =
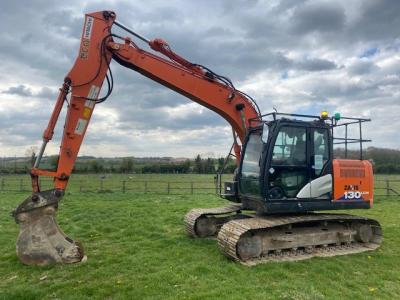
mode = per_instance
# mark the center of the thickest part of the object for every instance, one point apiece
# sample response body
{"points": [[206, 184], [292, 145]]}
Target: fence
{"points": [[383, 187], [105, 185], [387, 187]]}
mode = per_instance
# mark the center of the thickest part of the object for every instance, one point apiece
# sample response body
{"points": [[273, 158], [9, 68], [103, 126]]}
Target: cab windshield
{"points": [[250, 175]]}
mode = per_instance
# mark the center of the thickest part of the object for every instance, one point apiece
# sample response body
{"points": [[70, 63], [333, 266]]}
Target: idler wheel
{"points": [[206, 226], [249, 246], [364, 233]]}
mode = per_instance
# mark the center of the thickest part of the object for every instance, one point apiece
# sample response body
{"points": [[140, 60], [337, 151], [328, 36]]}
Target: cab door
{"points": [[249, 175], [288, 170], [320, 183]]}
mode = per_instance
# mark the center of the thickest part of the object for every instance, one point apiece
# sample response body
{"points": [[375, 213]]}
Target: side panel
{"points": [[353, 180]]}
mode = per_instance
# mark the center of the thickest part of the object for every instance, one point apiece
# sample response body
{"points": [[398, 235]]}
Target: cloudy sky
{"points": [[296, 56]]}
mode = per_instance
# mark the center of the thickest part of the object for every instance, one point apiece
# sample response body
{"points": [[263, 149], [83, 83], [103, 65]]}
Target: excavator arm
{"points": [[41, 241]]}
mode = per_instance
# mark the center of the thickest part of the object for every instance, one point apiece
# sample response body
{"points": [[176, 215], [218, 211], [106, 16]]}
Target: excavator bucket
{"points": [[40, 240]]}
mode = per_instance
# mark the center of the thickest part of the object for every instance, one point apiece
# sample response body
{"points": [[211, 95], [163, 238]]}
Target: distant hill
{"points": [[385, 161]]}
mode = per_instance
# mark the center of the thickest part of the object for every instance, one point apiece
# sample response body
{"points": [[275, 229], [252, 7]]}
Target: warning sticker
{"points": [[80, 126], [93, 93], [318, 161], [90, 103], [86, 112]]}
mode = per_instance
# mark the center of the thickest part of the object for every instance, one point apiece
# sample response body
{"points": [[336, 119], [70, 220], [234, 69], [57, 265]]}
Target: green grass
{"points": [[152, 183], [137, 249]]}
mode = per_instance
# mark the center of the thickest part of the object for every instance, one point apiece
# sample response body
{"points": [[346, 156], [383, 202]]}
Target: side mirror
{"points": [[265, 132]]}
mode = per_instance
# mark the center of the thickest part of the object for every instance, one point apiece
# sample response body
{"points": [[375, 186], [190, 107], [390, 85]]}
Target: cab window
{"points": [[321, 149], [250, 175], [290, 147], [251, 160]]}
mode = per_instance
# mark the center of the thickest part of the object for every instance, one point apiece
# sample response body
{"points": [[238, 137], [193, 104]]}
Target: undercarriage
{"points": [[252, 239]]}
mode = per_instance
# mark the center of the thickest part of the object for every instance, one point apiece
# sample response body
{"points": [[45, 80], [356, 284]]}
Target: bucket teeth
{"points": [[41, 241]]}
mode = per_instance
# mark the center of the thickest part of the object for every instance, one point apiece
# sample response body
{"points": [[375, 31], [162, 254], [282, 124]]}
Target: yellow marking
{"points": [[86, 112]]}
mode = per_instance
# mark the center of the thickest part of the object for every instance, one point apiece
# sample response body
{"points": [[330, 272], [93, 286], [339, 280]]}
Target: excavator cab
{"points": [[288, 166]]}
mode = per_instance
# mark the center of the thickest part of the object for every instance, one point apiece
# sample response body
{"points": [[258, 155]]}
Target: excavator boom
{"points": [[41, 241]]}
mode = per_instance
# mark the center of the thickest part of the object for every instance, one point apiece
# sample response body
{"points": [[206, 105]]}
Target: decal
{"points": [[86, 112], [350, 187], [318, 161], [352, 195], [84, 52], [93, 93], [90, 103], [87, 32], [80, 126]]}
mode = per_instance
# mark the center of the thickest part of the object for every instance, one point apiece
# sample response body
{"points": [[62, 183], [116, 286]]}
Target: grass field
{"points": [[160, 183], [137, 249]]}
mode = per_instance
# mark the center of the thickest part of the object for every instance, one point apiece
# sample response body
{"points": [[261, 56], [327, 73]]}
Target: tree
{"points": [[220, 163], [30, 153], [198, 164], [53, 161], [95, 166], [126, 165], [186, 166], [209, 167]]}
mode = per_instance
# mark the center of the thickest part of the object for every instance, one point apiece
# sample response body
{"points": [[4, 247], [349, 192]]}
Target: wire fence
{"points": [[387, 187], [383, 187], [124, 186]]}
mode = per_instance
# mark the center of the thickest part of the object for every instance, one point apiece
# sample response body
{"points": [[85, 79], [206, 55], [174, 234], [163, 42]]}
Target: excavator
{"points": [[286, 173]]}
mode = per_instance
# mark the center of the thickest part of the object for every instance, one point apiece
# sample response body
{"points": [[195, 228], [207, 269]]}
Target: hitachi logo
{"points": [[88, 28]]}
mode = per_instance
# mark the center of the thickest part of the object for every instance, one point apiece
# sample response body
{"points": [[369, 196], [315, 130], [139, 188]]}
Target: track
{"points": [[288, 238], [206, 222]]}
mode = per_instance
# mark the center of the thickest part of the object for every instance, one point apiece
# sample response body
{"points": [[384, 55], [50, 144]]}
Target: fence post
{"points": [[387, 188], [21, 183], [145, 187], [2, 184], [123, 186], [191, 188], [168, 187]]}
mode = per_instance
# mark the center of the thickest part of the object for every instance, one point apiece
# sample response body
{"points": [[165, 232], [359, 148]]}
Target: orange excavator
{"points": [[285, 166]]}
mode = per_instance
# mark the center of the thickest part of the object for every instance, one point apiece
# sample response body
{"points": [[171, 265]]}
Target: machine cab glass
{"points": [[251, 165], [288, 170], [281, 161]]}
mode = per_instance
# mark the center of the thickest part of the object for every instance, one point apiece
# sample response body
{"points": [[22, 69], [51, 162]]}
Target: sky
{"points": [[295, 56]]}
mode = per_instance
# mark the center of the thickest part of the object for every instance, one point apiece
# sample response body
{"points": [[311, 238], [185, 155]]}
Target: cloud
{"points": [[316, 64], [318, 17], [297, 56], [25, 91], [21, 90]]}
